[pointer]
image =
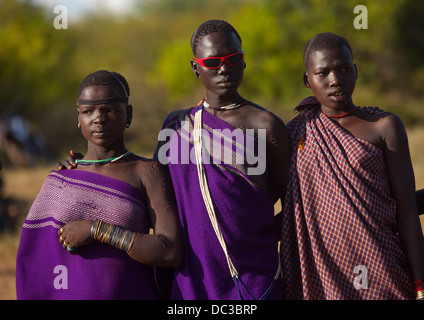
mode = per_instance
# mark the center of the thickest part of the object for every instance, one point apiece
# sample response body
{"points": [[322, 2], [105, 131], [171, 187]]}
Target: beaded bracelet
{"points": [[115, 236], [419, 288]]}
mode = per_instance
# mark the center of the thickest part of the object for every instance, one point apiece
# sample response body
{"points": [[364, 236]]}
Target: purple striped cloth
{"points": [[340, 210], [244, 212], [45, 270]]}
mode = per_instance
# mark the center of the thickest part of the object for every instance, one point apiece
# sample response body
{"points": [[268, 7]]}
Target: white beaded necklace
{"points": [[227, 107]]}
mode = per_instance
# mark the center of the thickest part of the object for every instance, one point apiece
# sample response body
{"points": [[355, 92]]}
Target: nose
{"points": [[336, 79], [224, 67], [99, 116]]}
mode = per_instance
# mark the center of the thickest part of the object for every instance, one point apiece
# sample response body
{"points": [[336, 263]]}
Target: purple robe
{"points": [[45, 270], [244, 212]]}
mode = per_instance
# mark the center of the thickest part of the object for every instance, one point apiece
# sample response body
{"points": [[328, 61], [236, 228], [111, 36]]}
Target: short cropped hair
{"points": [[324, 41], [209, 27], [104, 77]]}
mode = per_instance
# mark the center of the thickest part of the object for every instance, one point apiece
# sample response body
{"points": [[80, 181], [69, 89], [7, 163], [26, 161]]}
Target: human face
{"points": [[332, 75], [103, 124], [224, 81]]}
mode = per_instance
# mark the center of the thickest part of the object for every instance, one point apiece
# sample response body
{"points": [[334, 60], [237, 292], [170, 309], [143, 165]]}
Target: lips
{"points": [[99, 132], [337, 93], [227, 82], [338, 96]]}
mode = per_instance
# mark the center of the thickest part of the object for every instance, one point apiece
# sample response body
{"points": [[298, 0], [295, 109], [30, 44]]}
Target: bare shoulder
{"points": [[151, 172], [387, 121], [390, 127], [261, 118], [276, 131], [382, 120]]}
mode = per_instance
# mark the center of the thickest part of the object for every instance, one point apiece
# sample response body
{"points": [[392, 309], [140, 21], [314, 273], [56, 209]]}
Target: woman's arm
{"points": [[162, 248], [165, 246], [278, 164], [402, 181]]}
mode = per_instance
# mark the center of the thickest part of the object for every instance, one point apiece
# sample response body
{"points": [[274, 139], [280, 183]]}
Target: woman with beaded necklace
{"points": [[94, 222], [350, 205], [230, 232], [226, 208]]}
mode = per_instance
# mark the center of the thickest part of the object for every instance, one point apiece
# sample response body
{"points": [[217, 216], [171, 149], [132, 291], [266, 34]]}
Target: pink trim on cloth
{"points": [[46, 271]]}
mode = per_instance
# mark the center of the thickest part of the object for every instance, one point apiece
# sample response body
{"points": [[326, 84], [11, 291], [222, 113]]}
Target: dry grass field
{"points": [[24, 184]]}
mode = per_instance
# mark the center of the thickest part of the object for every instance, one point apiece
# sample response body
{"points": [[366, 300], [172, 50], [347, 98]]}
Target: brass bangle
{"points": [[93, 228], [97, 229], [109, 229], [131, 242], [115, 236], [123, 239]]}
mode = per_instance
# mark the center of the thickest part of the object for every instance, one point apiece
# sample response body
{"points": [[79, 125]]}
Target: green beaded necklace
{"points": [[102, 161]]}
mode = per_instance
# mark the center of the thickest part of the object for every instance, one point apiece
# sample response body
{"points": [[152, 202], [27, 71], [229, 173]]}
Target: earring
{"points": [[128, 124], [305, 80], [79, 125]]}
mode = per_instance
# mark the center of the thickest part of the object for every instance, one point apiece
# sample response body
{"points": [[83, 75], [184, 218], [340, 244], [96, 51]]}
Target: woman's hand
{"points": [[75, 234], [70, 161]]}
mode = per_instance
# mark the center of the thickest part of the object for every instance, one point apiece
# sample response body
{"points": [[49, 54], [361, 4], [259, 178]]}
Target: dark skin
{"points": [[331, 75], [103, 126], [222, 89]]}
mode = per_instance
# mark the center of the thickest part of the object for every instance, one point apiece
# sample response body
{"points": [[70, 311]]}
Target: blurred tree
{"points": [[410, 46], [41, 67], [34, 57], [35, 68], [274, 34]]}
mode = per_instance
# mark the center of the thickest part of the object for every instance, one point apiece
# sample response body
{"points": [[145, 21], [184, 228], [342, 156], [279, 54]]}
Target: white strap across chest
{"points": [[197, 135]]}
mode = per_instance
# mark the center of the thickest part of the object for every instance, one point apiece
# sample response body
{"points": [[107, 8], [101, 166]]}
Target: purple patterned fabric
{"points": [[45, 270], [340, 209], [244, 212]]}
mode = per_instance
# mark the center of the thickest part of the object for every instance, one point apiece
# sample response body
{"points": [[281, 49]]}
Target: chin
{"points": [[338, 104]]}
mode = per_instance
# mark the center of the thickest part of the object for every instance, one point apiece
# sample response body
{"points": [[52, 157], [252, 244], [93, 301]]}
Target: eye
{"points": [[112, 108], [86, 111], [321, 73]]}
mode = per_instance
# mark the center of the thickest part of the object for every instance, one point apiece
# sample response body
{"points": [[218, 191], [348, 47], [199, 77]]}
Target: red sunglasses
{"points": [[216, 62]]}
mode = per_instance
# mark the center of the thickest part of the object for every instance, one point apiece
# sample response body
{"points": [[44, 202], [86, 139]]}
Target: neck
{"points": [[87, 161], [337, 114], [99, 153], [328, 111], [220, 101]]}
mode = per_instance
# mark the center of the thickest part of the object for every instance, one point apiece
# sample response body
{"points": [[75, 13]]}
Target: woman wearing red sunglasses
{"points": [[227, 214], [226, 207]]}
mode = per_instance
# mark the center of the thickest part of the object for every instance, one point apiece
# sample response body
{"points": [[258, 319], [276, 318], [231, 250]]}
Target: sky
{"points": [[78, 8]]}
